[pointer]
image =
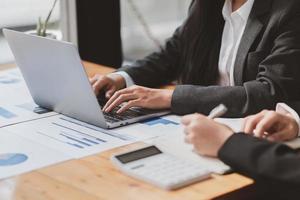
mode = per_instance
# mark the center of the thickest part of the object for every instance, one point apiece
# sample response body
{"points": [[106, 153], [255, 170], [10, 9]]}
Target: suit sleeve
{"points": [[262, 160], [295, 106], [277, 80]]}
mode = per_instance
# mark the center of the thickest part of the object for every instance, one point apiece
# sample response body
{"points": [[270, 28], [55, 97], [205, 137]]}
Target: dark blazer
{"points": [[267, 68], [295, 105], [275, 167]]}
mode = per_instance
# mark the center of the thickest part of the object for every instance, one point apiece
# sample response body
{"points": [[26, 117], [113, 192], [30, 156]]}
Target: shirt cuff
{"points": [[128, 79], [285, 109]]}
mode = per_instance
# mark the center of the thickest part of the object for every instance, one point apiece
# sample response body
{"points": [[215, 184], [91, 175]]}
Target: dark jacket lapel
{"points": [[255, 25]]}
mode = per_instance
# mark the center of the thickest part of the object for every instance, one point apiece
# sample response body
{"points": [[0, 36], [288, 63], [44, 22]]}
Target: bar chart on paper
{"points": [[159, 121], [74, 138], [152, 128], [68, 136]]}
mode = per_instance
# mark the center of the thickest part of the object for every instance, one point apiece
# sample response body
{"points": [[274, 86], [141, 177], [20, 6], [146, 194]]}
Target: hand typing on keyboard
{"points": [[137, 96], [113, 116], [108, 84]]}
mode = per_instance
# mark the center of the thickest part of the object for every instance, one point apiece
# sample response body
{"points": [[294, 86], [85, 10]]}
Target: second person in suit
{"points": [[274, 166], [242, 53]]}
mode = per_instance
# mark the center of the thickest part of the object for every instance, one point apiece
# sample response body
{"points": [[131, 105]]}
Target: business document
{"points": [[16, 103], [13, 88], [14, 114], [151, 128], [19, 155], [69, 136]]}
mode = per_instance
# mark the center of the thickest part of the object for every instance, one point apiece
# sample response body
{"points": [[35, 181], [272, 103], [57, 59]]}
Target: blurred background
{"points": [[161, 16], [22, 15], [108, 32]]}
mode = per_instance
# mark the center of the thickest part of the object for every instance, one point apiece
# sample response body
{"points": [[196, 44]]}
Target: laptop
{"points": [[57, 81]]}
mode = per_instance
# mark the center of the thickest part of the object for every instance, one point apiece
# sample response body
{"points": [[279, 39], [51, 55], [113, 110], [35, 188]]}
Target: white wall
{"points": [[16, 13], [162, 16], [23, 13]]}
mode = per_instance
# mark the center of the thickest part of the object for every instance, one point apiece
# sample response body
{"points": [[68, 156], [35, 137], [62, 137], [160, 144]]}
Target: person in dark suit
{"points": [[242, 53], [274, 166]]}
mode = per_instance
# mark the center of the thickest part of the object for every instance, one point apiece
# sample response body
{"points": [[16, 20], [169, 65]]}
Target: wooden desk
{"points": [[94, 177], [7, 66]]}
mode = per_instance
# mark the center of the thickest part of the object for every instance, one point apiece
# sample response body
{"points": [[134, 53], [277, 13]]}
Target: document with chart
{"points": [[16, 104], [151, 128], [19, 155], [13, 88], [14, 114], [69, 136]]}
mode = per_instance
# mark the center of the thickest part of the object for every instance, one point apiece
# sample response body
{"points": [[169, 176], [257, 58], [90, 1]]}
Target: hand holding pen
{"points": [[206, 135]]}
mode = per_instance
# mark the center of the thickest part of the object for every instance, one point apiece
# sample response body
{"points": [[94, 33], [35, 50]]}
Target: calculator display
{"points": [[139, 154]]}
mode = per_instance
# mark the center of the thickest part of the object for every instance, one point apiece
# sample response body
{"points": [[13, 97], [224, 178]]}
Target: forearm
{"points": [[241, 101], [261, 160]]}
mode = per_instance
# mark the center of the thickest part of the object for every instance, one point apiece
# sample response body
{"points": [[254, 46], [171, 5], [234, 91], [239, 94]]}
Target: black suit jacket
{"points": [[267, 68], [274, 166]]}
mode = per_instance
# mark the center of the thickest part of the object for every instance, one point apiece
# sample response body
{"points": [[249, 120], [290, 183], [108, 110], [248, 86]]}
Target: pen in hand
{"points": [[218, 111]]}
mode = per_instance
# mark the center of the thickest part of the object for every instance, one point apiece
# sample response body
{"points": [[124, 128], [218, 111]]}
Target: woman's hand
{"points": [[108, 83], [271, 125], [206, 135], [137, 96]]}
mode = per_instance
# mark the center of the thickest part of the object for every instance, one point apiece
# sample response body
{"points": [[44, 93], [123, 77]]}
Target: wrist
{"points": [[167, 98], [294, 125], [224, 136], [290, 112], [227, 134]]}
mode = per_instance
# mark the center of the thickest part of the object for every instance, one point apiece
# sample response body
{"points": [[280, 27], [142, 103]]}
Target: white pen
{"points": [[218, 111]]}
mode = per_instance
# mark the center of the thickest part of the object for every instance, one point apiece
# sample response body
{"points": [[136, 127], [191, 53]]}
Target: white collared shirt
{"points": [[235, 24]]}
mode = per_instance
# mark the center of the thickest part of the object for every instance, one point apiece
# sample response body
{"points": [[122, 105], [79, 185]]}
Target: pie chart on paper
{"points": [[10, 159]]}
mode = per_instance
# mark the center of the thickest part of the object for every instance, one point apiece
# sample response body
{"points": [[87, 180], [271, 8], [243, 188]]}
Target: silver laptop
{"points": [[57, 80]]}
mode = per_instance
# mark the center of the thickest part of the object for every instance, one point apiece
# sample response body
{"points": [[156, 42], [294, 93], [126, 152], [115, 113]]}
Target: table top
{"points": [[95, 177]]}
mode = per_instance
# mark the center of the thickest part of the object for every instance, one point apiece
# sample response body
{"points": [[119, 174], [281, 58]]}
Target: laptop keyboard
{"points": [[113, 116]]}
